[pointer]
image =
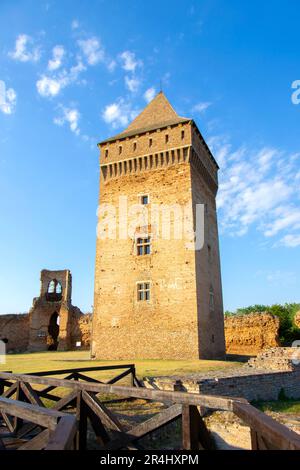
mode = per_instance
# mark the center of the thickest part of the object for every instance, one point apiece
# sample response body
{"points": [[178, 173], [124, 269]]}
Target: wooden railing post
{"points": [[1, 386], [195, 435], [254, 440], [81, 416]]}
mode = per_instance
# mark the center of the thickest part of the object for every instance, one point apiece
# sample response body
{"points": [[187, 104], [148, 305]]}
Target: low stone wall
{"points": [[250, 334], [14, 330], [263, 378], [255, 385]]}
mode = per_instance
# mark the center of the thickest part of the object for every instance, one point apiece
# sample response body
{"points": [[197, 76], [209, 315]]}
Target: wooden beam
{"points": [[31, 394], [87, 379], [104, 414], [64, 434], [119, 377], [25, 411], [273, 432], [141, 430], [81, 369], [208, 401], [39, 442], [65, 401]]}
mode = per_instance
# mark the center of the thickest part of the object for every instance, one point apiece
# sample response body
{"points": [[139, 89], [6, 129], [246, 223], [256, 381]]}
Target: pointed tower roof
{"points": [[157, 114]]}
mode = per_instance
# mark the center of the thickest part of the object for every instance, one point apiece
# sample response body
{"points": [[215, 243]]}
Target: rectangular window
{"points": [[143, 291], [134, 146], [150, 142], [167, 138], [143, 246], [145, 199], [120, 149], [182, 135], [106, 153]]}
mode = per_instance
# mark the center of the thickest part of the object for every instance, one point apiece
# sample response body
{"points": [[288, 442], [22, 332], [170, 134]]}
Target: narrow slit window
{"points": [[143, 291], [182, 135], [167, 138], [211, 299], [120, 149], [106, 153], [150, 142], [145, 199], [134, 146]]}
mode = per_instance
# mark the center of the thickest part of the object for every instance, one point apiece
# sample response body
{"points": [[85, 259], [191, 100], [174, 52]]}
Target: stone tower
{"points": [[53, 320], [156, 294]]}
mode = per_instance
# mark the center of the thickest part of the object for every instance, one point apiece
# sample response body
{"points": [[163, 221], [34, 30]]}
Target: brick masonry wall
{"points": [[15, 329], [260, 385], [177, 321]]}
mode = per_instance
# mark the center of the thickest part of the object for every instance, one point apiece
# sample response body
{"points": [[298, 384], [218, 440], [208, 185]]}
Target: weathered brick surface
{"points": [[250, 334], [71, 321], [177, 322], [14, 329], [273, 371]]}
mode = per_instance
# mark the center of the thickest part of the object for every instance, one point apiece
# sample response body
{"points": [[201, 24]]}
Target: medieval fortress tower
{"points": [[158, 290]]}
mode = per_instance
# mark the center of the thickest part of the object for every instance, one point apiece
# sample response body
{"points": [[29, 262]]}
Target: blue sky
{"points": [[73, 73]]}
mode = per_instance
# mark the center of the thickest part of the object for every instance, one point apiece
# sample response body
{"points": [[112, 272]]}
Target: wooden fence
{"points": [[86, 402]]}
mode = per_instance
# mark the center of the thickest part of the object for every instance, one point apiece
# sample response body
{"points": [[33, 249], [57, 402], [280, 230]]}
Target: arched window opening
{"points": [[54, 291]]}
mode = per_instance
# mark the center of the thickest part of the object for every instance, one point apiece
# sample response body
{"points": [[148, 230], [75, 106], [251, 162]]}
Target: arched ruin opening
{"points": [[53, 332], [54, 291]]}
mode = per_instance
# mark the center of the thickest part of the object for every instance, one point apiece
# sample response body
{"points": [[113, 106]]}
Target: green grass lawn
{"points": [[43, 361], [280, 406]]}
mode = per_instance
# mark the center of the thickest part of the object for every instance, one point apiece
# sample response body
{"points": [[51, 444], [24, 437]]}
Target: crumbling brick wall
{"points": [[14, 330], [80, 329], [250, 334]]}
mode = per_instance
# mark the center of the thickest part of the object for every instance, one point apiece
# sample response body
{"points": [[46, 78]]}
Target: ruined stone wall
{"points": [[250, 334], [15, 329], [255, 385], [80, 329]]}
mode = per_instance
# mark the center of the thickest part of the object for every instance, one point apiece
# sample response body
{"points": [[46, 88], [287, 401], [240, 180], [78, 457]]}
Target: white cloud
{"points": [[49, 86], [132, 83], [119, 113], [92, 50], [8, 99], [291, 241], [111, 65], [58, 53], [25, 51], [201, 107], [256, 189], [75, 24], [129, 61], [70, 116], [149, 94]]}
